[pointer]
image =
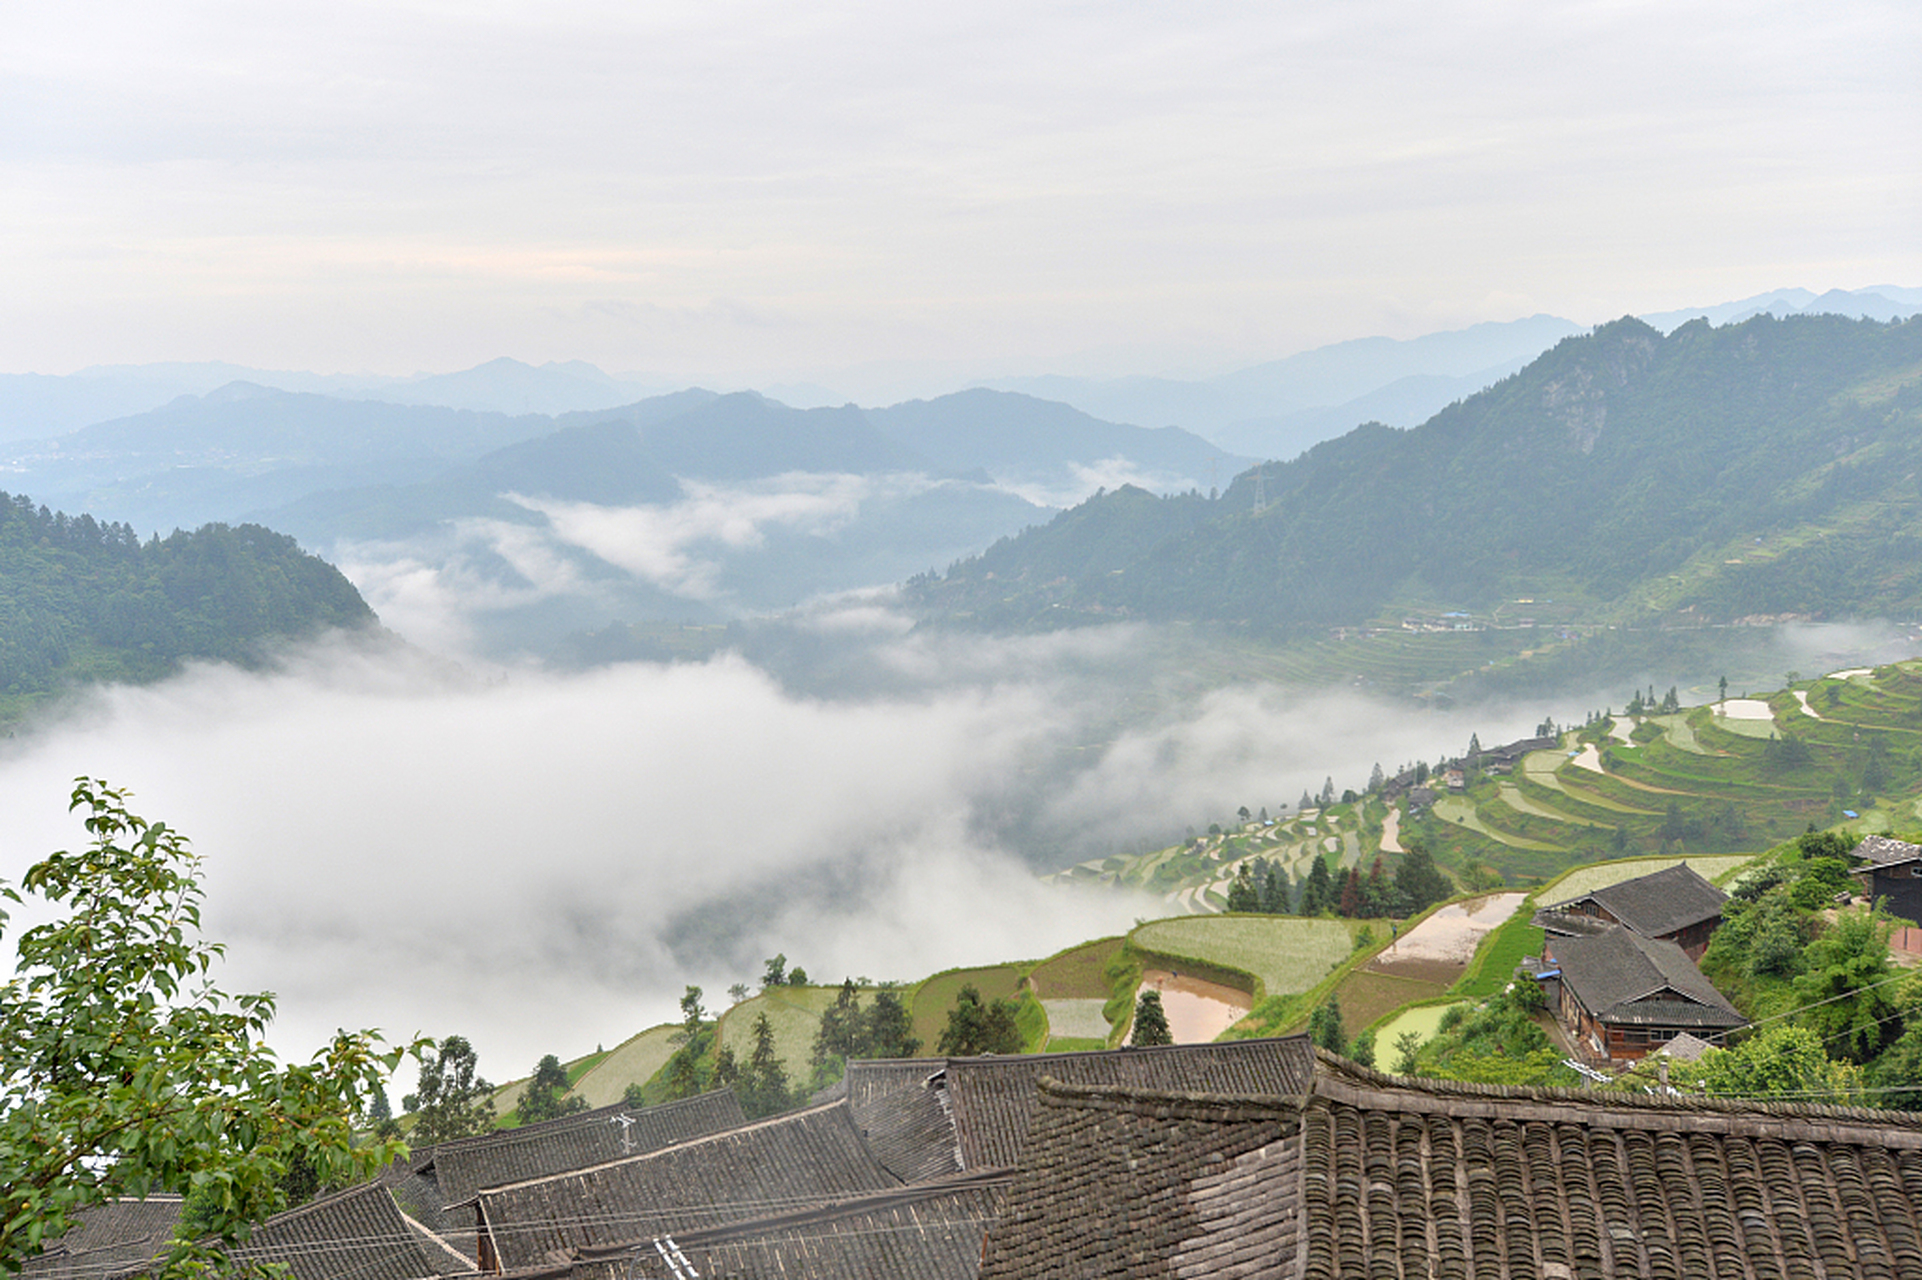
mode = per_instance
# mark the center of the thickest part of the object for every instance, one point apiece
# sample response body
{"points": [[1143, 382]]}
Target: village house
{"points": [[1891, 873], [1621, 995], [1674, 905]]}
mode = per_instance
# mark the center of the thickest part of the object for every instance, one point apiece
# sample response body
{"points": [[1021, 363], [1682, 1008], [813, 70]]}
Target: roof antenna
{"points": [[626, 1122]]}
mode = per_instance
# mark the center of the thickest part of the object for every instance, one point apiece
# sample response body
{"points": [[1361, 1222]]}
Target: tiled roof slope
{"points": [[1138, 1183], [109, 1238], [928, 1232], [1659, 902], [1622, 977], [586, 1138], [994, 1098], [904, 1116], [1378, 1178], [359, 1233], [1884, 850], [799, 1160]]}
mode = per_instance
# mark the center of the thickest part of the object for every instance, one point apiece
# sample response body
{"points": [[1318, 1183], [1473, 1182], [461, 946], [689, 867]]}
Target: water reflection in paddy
{"points": [[1197, 1010]]}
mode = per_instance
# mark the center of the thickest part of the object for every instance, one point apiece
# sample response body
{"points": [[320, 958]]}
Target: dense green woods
{"points": [[1767, 467], [83, 600]]}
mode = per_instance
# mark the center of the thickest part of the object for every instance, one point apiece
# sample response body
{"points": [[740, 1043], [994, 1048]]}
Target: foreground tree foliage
{"points": [[124, 1070]]}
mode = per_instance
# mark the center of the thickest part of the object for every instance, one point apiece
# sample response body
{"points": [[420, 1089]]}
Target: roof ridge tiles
{"points": [[1171, 1104], [1342, 1076]]}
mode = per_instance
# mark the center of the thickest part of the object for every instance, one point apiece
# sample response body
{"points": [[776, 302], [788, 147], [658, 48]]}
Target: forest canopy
{"points": [[82, 600]]}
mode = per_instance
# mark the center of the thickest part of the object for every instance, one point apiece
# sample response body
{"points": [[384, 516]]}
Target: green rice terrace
{"points": [[1739, 774]]}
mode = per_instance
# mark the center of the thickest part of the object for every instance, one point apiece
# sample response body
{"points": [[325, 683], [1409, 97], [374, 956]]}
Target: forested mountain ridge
{"points": [[84, 600], [1762, 468]]}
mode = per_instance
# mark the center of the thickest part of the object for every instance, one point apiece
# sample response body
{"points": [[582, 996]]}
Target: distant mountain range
{"points": [[690, 506], [1763, 468], [1278, 409], [1274, 409]]}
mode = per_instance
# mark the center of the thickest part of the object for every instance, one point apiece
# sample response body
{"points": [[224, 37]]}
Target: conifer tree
{"points": [[1242, 894], [1151, 1021]]}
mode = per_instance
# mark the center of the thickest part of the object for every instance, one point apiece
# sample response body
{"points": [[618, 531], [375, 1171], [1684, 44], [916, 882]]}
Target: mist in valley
{"points": [[543, 860]]}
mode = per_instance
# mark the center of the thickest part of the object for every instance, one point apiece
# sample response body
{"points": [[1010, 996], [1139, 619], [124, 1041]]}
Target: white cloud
{"points": [[663, 544], [520, 857]]}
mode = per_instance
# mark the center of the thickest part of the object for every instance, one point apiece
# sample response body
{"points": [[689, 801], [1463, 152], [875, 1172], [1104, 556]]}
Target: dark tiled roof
{"points": [[1570, 924], [586, 1138], [1373, 1176], [1622, 977], [1126, 1182], [1884, 851], [360, 1233], [1658, 903], [927, 1232], [994, 1098], [796, 1161], [109, 1238], [904, 1116]]}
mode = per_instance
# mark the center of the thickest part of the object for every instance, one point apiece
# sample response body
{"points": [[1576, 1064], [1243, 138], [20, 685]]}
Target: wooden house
{"points": [[1674, 904], [1622, 995], [1891, 871]]}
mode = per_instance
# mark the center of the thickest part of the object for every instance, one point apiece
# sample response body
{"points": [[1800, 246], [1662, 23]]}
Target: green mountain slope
{"points": [[1763, 468], [81, 600]]}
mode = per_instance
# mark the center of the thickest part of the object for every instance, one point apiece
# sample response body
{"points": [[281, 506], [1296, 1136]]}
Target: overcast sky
{"points": [[755, 190]]}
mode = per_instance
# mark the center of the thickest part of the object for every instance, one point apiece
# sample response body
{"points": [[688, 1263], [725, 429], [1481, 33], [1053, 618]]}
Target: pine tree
{"points": [[1318, 894], [763, 1085], [1351, 893], [1275, 890], [890, 1029], [1151, 1022], [1242, 895], [1325, 1029]]}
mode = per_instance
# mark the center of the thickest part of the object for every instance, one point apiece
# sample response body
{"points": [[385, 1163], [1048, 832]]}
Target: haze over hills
{"points": [[1273, 408], [1279, 408], [1762, 468], [689, 506]]}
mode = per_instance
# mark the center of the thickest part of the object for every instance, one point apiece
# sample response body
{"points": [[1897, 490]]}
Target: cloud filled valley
{"points": [[543, 861]]}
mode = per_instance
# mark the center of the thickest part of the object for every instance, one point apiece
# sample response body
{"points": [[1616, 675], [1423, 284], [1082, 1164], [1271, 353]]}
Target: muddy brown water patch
{"points": [[1198, 1010]]}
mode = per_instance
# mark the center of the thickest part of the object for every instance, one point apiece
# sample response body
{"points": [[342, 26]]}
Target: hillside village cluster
{"points": [[1263, 1157]]}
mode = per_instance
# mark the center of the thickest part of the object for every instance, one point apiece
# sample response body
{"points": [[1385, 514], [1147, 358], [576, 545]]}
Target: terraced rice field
{"points": [[1462, 813], [931, 1000], [795, 1015], [634, 1061], [1077, 973], [1512, 797], [1679, 734], [1366, 995], [1746, 717], [1286, 954], [1078, 1019], [1588, 879]]}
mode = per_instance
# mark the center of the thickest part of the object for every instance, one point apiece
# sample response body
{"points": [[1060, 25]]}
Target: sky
{"points": [[745, 191]]}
